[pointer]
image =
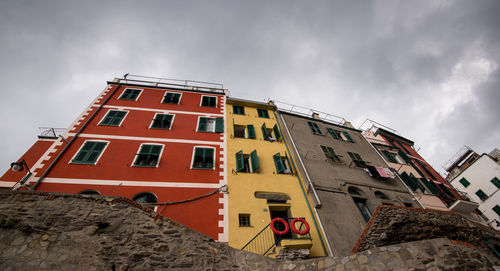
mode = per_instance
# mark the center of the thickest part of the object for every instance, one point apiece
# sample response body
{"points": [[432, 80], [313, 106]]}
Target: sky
{"points": [[428, 69]]}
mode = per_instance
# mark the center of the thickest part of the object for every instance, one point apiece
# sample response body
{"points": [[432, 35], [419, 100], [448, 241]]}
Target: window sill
{"points": [[128, 100], [249, 226], [155, 166], [203, 168], [157, 128], [83, 163]]}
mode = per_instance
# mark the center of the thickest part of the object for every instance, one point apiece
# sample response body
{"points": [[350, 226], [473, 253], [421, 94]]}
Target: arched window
{"points": [[360, 201], [90, 192], [354, 191], [145, 197], [381, 195]]}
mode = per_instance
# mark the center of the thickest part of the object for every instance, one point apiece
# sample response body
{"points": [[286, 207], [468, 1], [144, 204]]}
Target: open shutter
{"points": [[240, 164], [407, 179], [404, 156], [255, 160], [278, 162], [264, 130], [332, 132], [276, 132], [346, 134], [202, 125], [251, 131], [219, 125]]}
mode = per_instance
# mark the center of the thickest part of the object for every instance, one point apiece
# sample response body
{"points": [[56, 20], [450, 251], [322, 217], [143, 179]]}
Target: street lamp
{"points": [[19, 166]]}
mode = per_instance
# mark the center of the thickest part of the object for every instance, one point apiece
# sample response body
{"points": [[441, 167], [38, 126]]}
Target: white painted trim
{"points": [[216, 101], [123, 92], [171, 123], [169, 91], [159, 157], [120, 124], [131, 183], [98, 157], [205, 147], [7, 184], [198, 124], [138, 138], [47, 139], [130, 108]]}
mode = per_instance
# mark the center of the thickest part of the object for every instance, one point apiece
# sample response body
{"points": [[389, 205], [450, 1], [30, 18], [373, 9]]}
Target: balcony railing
{"points": [[49, 132]]}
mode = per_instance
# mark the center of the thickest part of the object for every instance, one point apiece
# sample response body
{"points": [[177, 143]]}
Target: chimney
{"points": [[348, 124], [315, 115]]}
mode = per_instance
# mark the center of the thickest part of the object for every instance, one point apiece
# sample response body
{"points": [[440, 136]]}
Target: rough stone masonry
{"points": [[49, 231]]}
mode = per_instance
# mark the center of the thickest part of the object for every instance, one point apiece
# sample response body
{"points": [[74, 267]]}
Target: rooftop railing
{"points": [[308, 112]]}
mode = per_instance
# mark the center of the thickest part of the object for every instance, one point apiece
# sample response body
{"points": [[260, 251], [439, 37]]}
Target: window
{"points": [[330, 154], [356, 158], [464, 182], [496, 182], [203, 158], [410, 181], [171, 98], [211, 125], [162, 121], [209, 101], [482, 196], [345, 136], [333, 133], [148, 156], [497, 209], [89, 153], [90, 192], [239, 131], [268, 133], [130, 94], [145, 197], [238, 110], [113, 118], [363, 208], [262, 113], [244, 220], [314, 128], [247, 163], [281, 164], [381, 195], [391, 157]]}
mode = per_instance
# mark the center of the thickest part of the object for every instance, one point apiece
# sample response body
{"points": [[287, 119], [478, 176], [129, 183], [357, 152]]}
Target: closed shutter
{"points": [[219, 125], [346, 134], [251, 131], [278, 162], [431, 186], [404, 156], [409, 181], [333, 133], [255, 160], [276, 132], [240, 164], [264, 130]]}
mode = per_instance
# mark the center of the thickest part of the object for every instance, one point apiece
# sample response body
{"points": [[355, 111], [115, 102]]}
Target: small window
{"points": [[162, 121], [239, 131], [262, 113], [356, 158], [314, 128], [345, 136], [89, 153], [244, 220], [148, 156], [496, 182], [113, 118], [363, 208], [335, 134], [482, 196], [90, 192], [145, 197], [238, 110], [130, 94], [209, 101], [281, 163], [381, 195], [267, 133], [464, 182], [497, 209], [330, 154], [203, 158], [391, 157], [171, 98], [247, 163], [211, 125]]}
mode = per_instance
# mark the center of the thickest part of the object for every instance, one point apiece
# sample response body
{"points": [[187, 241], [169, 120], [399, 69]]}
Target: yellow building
{"points": [[264, 184]]}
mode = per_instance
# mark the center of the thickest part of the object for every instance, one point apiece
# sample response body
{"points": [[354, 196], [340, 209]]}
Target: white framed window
{"points": [[171, 97], [208, 101], [113, 118], [130, 94], [90, 152], [203, 158], [162, 121], [210, 125], [148, 155]]}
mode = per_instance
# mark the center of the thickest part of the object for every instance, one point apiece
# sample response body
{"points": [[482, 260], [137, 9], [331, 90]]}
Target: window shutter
{"points": [[240, 164], [202, 126], [251, 131], [409, 181], [255, 160], [219, 125], [278, 162], [264, 130], [332, 132], [430, 185], [346, 134], [404, 156], [276, 132]]}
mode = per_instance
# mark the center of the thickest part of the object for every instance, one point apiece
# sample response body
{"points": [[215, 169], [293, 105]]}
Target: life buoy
{"points": [[294, 229], [276, 231]]}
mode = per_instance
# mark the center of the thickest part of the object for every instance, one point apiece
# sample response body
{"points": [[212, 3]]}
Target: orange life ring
{"points": [[294, 229], [282, 221]]}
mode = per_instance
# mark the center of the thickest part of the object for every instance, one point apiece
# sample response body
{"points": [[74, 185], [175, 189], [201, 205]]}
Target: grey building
{"points": [[342, 171]]}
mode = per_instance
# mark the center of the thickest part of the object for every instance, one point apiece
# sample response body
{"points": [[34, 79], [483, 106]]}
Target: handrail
{"points": [[168, 82]]}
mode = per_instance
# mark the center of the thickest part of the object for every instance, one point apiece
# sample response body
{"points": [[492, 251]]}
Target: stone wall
{"points": [[393, 225], [47, 231]]}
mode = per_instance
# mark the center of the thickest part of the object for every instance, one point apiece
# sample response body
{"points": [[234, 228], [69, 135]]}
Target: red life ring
{"points": [[276, 231], [294, 229]]}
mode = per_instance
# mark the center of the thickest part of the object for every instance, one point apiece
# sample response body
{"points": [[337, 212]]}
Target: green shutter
{"points": [[255, 160], [346, 134], [264, 130], [278, 162], [431, 186], [497, 209], [407, 179], [202, 126], [240, 164], [404, 156], [276, 132], [251, 131], [89, 153], [390, 156], [464, 182], [333, 133], [219, 125], [496, 182]]}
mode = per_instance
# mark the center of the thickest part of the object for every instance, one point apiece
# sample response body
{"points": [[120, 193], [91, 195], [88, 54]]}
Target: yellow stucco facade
{"points": [[256, 195]]}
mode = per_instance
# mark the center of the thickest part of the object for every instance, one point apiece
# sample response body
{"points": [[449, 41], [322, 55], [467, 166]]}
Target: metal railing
{"points": [[174, 83], [308, 112], [50, 132], [264, 241]]}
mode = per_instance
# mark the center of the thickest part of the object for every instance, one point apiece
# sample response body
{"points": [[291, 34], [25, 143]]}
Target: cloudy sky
{"points": [[429, 69]]}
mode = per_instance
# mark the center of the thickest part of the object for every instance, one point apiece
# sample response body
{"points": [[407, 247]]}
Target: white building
{"points": [[481, 182]]}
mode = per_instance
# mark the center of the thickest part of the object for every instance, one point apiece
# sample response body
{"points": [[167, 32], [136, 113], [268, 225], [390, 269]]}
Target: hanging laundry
{"points": [[367, 171], [389, 173], [373, 171], [381, 172]]}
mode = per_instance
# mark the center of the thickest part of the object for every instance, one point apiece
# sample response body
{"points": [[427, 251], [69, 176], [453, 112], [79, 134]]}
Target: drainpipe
{"points": [[312, 188], [73, 139]]}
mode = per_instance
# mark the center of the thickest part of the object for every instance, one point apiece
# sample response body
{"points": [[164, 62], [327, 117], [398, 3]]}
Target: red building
{"points": [[152, 142]]}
